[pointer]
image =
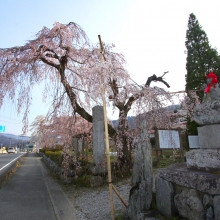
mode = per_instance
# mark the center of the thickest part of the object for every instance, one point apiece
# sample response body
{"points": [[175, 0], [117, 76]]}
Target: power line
{"points": [[9, 118], [11, 122]]}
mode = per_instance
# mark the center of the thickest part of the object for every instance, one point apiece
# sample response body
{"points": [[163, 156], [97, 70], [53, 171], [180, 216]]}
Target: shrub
{"points": [[83, 181], [56, 156], [43, 150]]}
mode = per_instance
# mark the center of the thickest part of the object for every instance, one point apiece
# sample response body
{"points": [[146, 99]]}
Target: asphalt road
{"points": [[7, 159], [32, 194]]}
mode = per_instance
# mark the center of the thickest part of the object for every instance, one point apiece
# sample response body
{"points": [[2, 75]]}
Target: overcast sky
{"points": [[150, 34]]}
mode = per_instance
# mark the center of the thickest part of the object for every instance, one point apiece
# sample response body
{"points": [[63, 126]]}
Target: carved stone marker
{"points": [[98, 140], [141, 191]]}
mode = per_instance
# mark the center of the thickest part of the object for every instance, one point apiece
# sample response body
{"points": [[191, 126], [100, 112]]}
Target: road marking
{"points": [[10, 162]]}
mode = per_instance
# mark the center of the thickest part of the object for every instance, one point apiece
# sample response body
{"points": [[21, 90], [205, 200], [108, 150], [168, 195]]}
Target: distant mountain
{"points": [[131, 123], [13, 140], [131, 119]]}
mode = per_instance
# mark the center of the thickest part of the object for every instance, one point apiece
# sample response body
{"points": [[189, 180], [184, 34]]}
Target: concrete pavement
{"points": [[32, 194]]}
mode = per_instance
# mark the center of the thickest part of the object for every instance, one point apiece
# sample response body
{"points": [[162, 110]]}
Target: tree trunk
{"points": [[77, 108], [124, 143]]}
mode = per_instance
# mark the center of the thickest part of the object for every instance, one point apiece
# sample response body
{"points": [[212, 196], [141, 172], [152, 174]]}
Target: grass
{"points": [[119, 217], [167, 157], [83, 181]]}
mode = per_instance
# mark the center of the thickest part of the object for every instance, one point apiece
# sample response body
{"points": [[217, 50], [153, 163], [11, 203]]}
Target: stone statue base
{"points": [[207, 113], [189, 193], [209, 136], [204, 159]]}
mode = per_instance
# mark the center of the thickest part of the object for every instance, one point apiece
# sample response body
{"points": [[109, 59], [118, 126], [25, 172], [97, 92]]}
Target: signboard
{"points": [[169, 139], [2, 128], [193, 141]]}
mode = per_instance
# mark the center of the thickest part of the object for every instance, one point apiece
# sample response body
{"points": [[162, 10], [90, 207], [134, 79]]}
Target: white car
{"points": [[12, 150]]}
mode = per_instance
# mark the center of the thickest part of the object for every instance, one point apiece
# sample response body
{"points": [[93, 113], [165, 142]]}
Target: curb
{"points": [[63, 208]]}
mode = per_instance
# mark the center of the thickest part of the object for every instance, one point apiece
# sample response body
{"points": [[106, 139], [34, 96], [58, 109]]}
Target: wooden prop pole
{"points": [[106, 136], [119, 196]]}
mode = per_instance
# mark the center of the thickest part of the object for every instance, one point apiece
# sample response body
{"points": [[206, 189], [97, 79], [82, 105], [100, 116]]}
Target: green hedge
{"points": [[56, 156], [43, 150]]}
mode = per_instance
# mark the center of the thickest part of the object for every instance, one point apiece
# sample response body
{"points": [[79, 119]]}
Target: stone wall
{"points": [[191, 194], [66, 176]]}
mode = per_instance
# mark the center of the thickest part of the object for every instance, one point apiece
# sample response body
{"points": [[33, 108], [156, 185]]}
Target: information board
{"points": [[193, 141], [169, 139]]}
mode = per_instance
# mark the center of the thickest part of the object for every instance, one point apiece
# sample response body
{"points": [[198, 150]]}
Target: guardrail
{"points": [[7, 170]]}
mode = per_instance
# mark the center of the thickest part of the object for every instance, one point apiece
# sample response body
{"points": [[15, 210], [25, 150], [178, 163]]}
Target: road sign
{"points": [[2, 128]]}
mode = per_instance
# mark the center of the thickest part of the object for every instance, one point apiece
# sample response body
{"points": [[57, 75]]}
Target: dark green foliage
{"points": [[191, 127], [56, 156], [83, 181], [43, 150], [201, 59]]}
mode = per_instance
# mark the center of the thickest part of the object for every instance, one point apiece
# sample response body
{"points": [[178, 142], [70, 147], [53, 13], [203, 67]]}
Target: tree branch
{"points": [[149, 80], [49, 63], [77, 108], [156, 79]]}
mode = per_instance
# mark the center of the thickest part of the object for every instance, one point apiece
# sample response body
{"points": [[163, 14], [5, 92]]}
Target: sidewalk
{"points": [[32, 194]]}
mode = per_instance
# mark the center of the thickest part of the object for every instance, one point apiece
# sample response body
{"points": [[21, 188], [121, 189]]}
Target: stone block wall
{"points": [[209, 137], [204, 159], [65, 176], [193, 195]]}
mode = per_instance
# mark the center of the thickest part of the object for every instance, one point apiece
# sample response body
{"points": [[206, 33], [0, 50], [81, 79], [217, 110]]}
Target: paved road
{"points": [[32, 194], [7, 159]]}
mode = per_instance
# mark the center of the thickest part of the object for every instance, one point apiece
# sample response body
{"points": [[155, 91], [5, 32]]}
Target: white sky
{"points": [[149, 33]]}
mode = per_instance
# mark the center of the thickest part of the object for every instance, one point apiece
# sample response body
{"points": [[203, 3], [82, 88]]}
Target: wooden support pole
{"points": [[119, 196], [106, 136]]}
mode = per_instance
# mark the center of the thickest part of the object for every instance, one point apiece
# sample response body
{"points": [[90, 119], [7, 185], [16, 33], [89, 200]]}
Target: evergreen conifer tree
{"points": [[201, 59]]}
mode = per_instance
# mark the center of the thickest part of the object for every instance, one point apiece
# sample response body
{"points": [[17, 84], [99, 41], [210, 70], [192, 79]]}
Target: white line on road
{"points": [[10, 162]]}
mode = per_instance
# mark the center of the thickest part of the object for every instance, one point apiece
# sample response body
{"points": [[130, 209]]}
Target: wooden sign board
{"points": [[169, 139]]}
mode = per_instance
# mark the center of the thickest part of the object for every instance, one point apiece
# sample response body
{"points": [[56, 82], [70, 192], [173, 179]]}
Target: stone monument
{"points": [[192, 189], [207, 115], [99, 156], [141, 192]]}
